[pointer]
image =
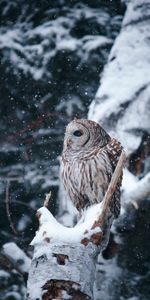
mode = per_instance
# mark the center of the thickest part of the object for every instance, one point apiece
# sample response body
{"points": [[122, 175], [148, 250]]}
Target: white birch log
{"points": [[63, 264]]}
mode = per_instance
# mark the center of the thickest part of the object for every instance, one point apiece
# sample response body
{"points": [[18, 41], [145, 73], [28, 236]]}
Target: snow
{"points": [[34, 176], [122, 102], [4, 274], [51, 231], [122, 107], [36, 289], [108, 273], [69, 105], [129, 180], [54, 239], [14, 295], [72, 44], [134, 190], [17, 256], [23, 222], [31, 48], [129, 184]]}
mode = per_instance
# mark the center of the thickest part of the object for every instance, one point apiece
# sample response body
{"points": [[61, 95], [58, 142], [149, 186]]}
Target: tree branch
{"points": [[19, 260], [8, 208], [111, 188], [139, 191]]}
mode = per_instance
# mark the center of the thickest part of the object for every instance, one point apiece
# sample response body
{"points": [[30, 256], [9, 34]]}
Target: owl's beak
{"points": [[69, 142]]}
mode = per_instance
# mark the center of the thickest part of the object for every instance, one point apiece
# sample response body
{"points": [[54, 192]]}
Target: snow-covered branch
{"points": [[136, 192], [17, 257]]}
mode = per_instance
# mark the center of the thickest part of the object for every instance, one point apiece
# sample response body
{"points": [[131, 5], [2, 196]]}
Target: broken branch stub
{"points": [[110, 191]]}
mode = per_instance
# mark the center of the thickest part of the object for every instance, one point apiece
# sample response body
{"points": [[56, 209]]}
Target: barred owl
{"points": [[89, 158]]}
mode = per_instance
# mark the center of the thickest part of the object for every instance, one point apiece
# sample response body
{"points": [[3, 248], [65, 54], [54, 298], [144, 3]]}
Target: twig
{"points": [[8, 180], [14, 178], [47, 198], [113, 183], [8, 208], [111, 189]]}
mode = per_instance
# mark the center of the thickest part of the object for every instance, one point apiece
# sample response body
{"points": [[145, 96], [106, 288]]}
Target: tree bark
{"points": [[65, 270]]}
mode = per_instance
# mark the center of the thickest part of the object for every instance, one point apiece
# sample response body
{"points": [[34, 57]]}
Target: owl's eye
{"points": [[77, 133]]}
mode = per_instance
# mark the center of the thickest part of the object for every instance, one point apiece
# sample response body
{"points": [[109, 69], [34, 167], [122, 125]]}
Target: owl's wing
{"points": [[114, 150]]}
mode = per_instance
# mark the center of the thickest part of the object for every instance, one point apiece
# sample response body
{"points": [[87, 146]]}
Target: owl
{"points": [[88, 161]]}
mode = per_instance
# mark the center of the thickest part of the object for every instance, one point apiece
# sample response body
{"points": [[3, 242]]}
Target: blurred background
{"points": [[52, 54]]}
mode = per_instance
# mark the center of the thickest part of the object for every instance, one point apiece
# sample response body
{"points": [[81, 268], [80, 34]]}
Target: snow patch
{"points": [[31, 49], [51, 231], [15, 254]]}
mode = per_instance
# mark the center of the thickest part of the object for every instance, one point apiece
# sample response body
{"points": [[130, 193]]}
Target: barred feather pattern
{"points": [[86, 171]]}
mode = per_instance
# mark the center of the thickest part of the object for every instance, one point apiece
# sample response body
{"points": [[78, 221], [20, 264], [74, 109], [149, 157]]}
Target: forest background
{"points": [[52, 62]]}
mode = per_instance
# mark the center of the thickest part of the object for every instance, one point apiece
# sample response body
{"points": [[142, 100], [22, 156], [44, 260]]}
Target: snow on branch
{"points": [[137, 192], [17, 257]]}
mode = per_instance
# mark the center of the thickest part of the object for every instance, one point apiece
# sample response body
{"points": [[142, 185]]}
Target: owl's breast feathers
{"points": [[86, 175]]}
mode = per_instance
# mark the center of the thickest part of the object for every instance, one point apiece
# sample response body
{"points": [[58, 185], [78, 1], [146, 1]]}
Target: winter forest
{"points": [[61, 60]]}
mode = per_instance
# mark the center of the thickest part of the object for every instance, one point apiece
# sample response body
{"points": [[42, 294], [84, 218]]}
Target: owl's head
{"points": [[84, 134]]}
